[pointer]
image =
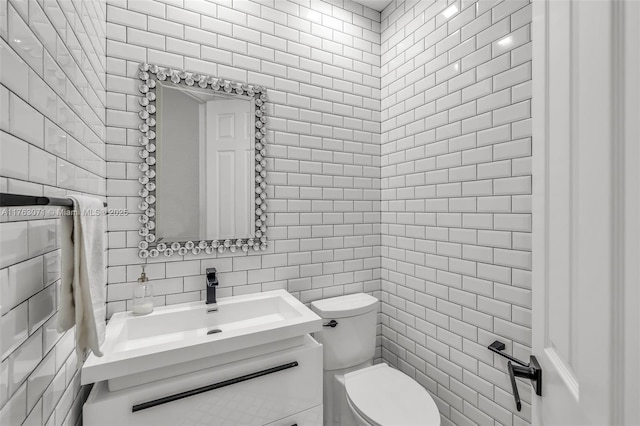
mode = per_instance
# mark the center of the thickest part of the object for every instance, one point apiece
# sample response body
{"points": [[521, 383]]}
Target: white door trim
{"points": [[629, 156], [621, 92]]}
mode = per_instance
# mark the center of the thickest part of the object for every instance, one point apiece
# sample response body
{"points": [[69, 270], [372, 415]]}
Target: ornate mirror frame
{"points": [[149, 247]]}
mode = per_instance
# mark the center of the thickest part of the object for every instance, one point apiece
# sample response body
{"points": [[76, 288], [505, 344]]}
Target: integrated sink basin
{"points": [[181, 338]]}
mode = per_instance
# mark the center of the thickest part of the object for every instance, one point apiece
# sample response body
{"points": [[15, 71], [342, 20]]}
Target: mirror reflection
{"points": [[205, 177]]}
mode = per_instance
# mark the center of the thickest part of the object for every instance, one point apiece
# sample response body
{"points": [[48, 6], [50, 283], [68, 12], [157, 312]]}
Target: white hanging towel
{"points": [[82, 298]]}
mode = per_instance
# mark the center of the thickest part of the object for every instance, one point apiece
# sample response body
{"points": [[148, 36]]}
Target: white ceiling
{"points": [[378, 5]]}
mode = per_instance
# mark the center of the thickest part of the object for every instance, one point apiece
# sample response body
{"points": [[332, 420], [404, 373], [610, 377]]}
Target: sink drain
{"points": [[214, 331]]}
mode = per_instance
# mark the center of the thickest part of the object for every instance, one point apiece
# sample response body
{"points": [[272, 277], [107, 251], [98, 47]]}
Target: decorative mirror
{"points": [[203, 163]]}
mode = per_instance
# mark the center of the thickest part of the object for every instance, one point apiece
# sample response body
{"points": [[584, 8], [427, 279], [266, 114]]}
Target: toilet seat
{"points": [[387, 397]]}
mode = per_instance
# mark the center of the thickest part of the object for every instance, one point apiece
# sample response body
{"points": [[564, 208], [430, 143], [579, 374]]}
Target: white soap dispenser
{"points": [[142, 296]]}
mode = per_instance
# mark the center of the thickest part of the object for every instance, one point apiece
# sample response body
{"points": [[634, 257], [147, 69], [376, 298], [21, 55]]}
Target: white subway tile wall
{"points": [[456, 188], [399, 165], [320, 62], [52, 132]]}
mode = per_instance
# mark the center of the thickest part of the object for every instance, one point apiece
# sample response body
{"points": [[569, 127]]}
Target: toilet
{"points": [[356, 392]]}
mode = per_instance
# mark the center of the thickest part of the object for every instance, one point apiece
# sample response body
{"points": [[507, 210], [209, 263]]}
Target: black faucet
{"points": [[212, 283]]}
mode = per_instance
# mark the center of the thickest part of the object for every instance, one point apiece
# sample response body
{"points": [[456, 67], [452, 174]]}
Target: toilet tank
{"points": [[353, 340]]}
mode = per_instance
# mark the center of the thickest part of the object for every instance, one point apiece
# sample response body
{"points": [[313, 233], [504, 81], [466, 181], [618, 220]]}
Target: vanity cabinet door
{"points": [[254, 391], [310, 417]]}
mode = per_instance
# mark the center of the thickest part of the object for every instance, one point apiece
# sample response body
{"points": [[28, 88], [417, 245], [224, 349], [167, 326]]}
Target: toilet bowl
{"points": [[381, 395], [357, 393]]}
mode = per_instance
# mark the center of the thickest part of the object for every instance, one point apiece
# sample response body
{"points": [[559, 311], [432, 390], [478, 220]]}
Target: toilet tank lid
{"points": [[345, 306]]}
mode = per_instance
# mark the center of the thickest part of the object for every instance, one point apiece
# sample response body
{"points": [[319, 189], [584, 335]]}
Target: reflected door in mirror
{"points": [[205, 178], [227, 168]]}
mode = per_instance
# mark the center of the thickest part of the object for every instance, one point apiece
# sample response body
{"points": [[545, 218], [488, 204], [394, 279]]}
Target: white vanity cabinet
{"points": [[282, 388]]}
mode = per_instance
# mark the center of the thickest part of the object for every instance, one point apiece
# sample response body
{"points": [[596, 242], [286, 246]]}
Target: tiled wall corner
{"points": [[456, 200], [52, 131], [321, 66]]}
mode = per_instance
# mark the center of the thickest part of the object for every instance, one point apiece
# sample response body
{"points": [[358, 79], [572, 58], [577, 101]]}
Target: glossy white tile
{"points": [[40, 379], [25, 280], [14, 329], [53, 74], [3, 18], [42, 236], [42, 27], [42, 166], [15, 410], [55, 139], [65, 346], [22, 7], [14, 157], [51, 267], [511, 41], [35, 416], [52, 70], [4, 109], [4, 381], [13, 244], [125, 17], [466, 195], [24, 41], [23, 361], [41, 307], [50, 333], [41, 96], [14, 72], [25, 122], [53, 393]]}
